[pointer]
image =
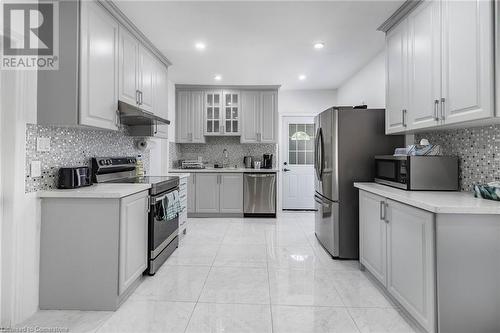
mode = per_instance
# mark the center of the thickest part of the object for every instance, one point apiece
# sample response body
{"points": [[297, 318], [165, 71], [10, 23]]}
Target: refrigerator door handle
{"points": [[316, 160], [321, 153]]}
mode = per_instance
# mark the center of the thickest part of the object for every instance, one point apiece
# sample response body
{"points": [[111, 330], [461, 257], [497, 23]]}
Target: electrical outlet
{"points": [[42, 144], [36, 169]]}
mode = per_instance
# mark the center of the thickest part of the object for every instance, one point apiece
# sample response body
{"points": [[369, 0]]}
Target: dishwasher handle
{"points": [[252, 175]]}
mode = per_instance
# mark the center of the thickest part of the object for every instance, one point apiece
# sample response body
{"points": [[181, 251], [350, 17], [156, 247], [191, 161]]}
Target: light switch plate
{"points": [[43, 144], [36, 169]]}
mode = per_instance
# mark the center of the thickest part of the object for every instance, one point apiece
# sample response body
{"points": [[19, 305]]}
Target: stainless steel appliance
{"points": [[74, 177], [259, 194], [413, 173], [346, 141], [162, 227], [247, 161], [139, 121], [267, 161]]}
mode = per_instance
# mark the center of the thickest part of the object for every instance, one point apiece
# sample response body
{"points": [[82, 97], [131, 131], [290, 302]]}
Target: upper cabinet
{"points": [[259, 110], [222, 112], [103, 59], [440, 66], [248, 113], [98, 67], [190, 107]]}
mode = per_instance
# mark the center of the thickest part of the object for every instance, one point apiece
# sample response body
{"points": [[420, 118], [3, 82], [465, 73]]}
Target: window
{"points": [[301, 144]]}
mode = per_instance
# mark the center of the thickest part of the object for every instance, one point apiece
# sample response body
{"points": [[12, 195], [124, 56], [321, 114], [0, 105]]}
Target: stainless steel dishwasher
{"points": [[259, 194]]}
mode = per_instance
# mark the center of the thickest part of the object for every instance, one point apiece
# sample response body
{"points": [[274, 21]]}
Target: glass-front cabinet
{"points": [[222, 112]]}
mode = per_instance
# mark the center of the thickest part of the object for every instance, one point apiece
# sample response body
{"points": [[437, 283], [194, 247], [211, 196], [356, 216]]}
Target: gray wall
{"points": [[71, 146], [478, 149]]}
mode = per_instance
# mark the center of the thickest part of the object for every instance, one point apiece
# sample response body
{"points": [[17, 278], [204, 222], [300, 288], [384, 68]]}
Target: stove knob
{"points": [[110, 162], [102, 162]]}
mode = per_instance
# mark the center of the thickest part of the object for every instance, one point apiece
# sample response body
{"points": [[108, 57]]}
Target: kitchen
{"points": [[209, 172]]}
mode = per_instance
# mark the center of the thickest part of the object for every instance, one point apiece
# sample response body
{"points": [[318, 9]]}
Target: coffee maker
{"points": [[267, 161]]}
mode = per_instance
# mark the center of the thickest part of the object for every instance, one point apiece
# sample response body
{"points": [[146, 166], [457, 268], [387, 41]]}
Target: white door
{"points": [[298, 162], [98, 68], [467, 60], [424, 65], [396, 67]]}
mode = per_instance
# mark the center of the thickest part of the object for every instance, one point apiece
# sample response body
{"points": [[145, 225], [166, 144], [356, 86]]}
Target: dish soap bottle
{"points": [[139, 166]]}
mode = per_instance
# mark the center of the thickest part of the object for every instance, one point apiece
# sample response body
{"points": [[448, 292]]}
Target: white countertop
{"points": [[180, 175], [108, 191], [440, 202], [223, 170]]}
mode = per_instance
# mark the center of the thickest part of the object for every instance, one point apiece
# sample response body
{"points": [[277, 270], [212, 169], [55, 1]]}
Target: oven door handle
{"points": [[156, 199]]}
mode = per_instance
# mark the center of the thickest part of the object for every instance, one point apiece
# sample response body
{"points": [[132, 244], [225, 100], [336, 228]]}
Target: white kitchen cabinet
{"points": [[191, 193], [259, 114], [207, 193], [129, 72], [146, 79], [189, 116], [161, 98], [231, 192], [468, 69], [269, 116], [424, 65], [372, 234], [440, 66], [410, 261], [250, 115], [133, 239], [231, 113], [397, 78], [98, 67], [213, 112]]}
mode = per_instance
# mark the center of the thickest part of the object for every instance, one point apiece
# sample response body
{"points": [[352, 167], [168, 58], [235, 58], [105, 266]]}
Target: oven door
{"points": [[163, 226], [391, 171]]}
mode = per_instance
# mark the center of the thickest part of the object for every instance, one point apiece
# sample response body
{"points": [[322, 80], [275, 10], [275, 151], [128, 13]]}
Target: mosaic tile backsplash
{"points": [[73, 147], [478, 149], [211, 151]]}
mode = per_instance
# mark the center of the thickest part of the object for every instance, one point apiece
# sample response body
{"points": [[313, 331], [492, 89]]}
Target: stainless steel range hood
{"points": [[139, 122]]}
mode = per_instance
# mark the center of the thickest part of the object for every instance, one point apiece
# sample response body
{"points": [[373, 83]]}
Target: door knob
{"points": [[285, 169]]}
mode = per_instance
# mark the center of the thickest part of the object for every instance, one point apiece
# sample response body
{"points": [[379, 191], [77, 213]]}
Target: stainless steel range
{"points": [[163, 224]]}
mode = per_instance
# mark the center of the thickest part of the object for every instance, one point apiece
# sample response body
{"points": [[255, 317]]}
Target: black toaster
{"points": [[74, 177]]}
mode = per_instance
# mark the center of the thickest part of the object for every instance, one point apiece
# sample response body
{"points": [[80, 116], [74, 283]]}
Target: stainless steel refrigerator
{"points": [[346, 141]]}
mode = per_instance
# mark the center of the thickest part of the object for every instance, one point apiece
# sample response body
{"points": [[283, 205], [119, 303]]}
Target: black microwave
{"points": [[418, 173]]}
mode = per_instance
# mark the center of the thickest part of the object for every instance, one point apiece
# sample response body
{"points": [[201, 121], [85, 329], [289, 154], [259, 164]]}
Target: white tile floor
{"points": [[246, 275]]}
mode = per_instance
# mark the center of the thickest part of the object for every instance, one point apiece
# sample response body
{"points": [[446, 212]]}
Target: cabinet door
{"points": [[146, 79], [268, 116], [231, 113], [191, 193], [410, 261], [424, 65], [467, 60], [231, 193], [161, 98], [213, 112], [128, 68], [396, 78], [372, 235], [133, 239], [98, 68], [196, 119], [207, 193], [182, 116], [250, 112]]}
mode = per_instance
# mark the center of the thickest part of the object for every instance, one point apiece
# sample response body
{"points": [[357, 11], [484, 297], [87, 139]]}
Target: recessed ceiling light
{"points": [[319, 45], [200, 46], [218, 77], [302, 77]]}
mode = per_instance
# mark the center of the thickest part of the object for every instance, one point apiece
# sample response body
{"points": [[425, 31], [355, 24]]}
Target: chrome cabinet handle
{"points": [[385, 212], [382, 211], [403, 115], [140, 95], [436, 109], [137, 101], [442, 107]]}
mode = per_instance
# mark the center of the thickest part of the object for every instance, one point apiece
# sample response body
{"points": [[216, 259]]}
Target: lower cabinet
{"points": [[217, 193], [133, 239], [397, 247], [191, 193]]}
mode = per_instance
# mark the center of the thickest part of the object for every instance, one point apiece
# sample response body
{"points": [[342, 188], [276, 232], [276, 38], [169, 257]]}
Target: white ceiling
{"points": [[263, 42]]}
